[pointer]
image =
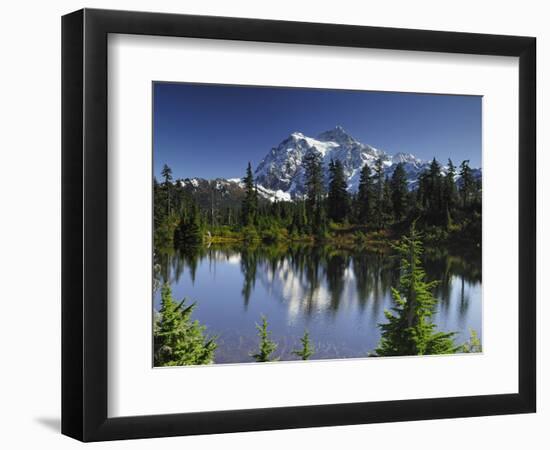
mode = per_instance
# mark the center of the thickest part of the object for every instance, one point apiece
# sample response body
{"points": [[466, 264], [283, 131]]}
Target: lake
{"points": [[338, 295]]}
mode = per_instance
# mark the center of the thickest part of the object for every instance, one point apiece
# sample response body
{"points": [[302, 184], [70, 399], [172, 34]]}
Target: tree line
{"points": [[437, 203]]}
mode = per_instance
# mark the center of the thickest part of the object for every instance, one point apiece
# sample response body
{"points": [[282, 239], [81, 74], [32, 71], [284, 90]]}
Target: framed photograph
{"points": [[274, 224]]}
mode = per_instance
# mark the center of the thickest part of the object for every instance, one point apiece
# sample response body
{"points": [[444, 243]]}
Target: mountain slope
{"points": [[282, 168], [281, 175]]}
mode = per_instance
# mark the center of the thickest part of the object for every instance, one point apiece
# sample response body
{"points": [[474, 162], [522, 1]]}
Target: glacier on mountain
{"points": [[283, 169]]}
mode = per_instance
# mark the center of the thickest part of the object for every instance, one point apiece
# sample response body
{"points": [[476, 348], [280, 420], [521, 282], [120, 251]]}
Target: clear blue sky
{"points": [[213, 131]]}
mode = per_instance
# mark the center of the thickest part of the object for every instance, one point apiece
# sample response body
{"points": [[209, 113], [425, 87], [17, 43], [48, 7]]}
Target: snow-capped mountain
{"points": [[281, 174], [229, 192], [283, 169]]}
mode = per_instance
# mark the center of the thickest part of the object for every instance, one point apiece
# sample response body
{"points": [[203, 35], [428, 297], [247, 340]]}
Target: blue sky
{"points": [[213, 131]]}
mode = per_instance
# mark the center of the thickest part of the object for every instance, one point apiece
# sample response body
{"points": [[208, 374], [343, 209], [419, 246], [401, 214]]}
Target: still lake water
{"points": [[338, 295]]}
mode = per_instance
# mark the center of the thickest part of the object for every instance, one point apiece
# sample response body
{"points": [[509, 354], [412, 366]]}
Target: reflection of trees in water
{"points": [[312, 267], [311, 272], [464, 299], [249, 264], [335, 269], [172, 263], [363, 271], [374, 273], [303, 266], [443, 267], [438, 268], [389, 272]]}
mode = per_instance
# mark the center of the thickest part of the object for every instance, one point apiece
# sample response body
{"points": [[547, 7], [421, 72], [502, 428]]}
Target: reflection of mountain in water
{"points": [[339, 295]]}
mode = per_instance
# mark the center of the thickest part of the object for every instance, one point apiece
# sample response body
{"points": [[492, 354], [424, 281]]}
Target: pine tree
{"points": [[387, 204], [467, 183], [399, 192], [434, 176], [409, 329], [379, 192], [298, 220], [450, 190], [338, 197], [250, 201], [307, 349], [167, 175], [315, 193], [267, 346], [179, 340], [188, 233], [365, 195], [431, 190]]}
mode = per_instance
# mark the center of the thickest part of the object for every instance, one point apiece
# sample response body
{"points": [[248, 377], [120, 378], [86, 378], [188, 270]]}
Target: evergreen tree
{"points": [[431, 193], [307, 349], [435, 184], [399, 192], [315, 193], [250, 201], [365, 195], [267, 346], [299, 220], [178, 339], [379, 192], [473, 345], [338, 197], [449, 193], [188, 233], [167, 175], [387, 205], [467, 183], [409, 330]]}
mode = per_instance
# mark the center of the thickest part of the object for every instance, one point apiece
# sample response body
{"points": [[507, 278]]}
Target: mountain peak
{"points": [[405, 158], [297, 135], [338, 135], [283, 168]]}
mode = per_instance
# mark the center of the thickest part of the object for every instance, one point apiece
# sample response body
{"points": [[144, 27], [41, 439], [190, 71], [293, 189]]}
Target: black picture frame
{"points": [[84, 224]]}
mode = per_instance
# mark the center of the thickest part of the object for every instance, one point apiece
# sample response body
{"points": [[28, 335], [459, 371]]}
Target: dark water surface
{"points": [[338, 295]]}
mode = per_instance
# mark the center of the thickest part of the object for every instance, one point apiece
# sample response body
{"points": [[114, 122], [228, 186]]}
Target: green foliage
{"points": [[449, 194], [267, 346], [166, 174], [431, 190], [387, 205], [467, 184], [473, 345], [338, 201], [274, 234], [164, 232], [179, 340], [298, 222], [250, 201], [365, 196], [379, 206], [360, 238], [315, 194], [189, 233], [185, 215], [250, 233], [409, 329], [307, 349], [399, 192]]}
